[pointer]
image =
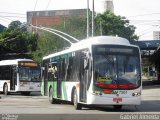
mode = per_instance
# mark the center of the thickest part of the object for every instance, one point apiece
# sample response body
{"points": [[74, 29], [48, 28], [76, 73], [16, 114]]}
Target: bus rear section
{"points": [[116, 76]]}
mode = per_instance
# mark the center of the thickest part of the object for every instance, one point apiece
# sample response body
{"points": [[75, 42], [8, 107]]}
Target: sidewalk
{"points": [[150, 81]]}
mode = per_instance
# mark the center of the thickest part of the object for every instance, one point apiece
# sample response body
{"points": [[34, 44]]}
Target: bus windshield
{"points": [[116, 67], [29, 74]]}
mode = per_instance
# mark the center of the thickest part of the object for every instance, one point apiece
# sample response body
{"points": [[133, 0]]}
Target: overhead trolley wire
{"points": [[48, 4], [13, 13], [144, 15]]}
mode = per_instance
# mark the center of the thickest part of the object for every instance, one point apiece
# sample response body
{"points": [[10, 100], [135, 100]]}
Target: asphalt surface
{"points": [[37, 107]]}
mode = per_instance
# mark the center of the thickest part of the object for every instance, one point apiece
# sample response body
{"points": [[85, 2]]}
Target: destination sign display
{"points": [[28, 64]]}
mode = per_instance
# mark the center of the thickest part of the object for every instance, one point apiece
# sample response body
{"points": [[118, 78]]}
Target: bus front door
{"points": [[83, 81], [59, 77], [13, 78], [59, 88]]}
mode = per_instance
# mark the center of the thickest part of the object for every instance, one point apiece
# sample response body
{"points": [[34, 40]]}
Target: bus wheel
{"points": [[51, 99], [118, 107], [75, 101], [5, 89]]}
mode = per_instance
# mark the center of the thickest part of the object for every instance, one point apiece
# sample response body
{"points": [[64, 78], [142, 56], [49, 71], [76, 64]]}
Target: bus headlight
{"points": [[97, 93], [136, 94]]}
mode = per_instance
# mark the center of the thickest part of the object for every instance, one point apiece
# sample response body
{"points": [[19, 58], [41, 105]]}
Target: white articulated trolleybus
{"points": [[100, 71], [19, 75]]}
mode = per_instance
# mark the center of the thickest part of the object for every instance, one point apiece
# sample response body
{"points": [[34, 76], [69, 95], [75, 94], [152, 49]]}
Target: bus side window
{"points": [[69, 69], [61, 69], [52, 71]]}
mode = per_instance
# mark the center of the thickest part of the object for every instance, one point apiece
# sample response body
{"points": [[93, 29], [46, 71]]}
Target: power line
{"points": [[45, 29], [6, 18], [32, 13], [3, 20], [144, 15], [143, 22], [61, 33], [48, 4], [35, 4], [11, 16], [12, 13], [147, 31]]}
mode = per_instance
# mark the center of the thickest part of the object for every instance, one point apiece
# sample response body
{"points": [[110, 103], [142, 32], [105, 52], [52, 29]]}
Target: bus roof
{"points": [[92, 41], [12, 62]]}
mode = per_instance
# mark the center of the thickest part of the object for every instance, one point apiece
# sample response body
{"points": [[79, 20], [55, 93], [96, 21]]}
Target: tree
{"points": [[16, 39], [49, 43], [17, 25], [110, 24], [76, 26]]}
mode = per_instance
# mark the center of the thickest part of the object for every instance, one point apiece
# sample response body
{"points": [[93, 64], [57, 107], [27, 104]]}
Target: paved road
{"points": [[36, 104]]}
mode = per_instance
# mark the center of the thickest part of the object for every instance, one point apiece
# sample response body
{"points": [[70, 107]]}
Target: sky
{"points": [[143, 14]]}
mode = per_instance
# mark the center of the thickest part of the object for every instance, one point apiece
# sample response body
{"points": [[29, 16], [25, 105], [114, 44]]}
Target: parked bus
{"points": [[19, 75], [102, 70]]}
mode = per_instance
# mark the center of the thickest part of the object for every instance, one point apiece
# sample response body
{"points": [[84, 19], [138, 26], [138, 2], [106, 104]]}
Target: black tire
{"points": [[5, 89], [51, 99], [118, 107], [77, 105]]}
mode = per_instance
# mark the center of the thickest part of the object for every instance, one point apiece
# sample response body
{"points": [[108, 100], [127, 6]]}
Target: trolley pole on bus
{"points": [[57, 33]]}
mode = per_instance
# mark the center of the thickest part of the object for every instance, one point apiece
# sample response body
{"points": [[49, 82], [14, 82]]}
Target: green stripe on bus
{"points": [[53, 59]]}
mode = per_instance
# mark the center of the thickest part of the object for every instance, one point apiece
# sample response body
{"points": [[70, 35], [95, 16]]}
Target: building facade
{"points": [[52, 17], [104, 5], [156, 35]]}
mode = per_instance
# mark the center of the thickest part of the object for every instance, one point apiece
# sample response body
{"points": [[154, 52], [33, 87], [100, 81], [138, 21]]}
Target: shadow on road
{"points": [[19, 94], [151, 84], [146, 106], [111, 108]]}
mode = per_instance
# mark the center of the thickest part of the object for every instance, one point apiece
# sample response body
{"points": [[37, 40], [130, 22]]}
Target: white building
{"points": [[103, 5], [156, 35]]}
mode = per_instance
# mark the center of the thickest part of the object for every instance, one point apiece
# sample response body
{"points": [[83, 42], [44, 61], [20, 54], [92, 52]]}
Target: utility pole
{"points": [[101, 30], [87, 18], [92, 18]]}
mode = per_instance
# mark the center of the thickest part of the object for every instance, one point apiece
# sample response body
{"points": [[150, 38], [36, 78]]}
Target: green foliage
{"points": [[49, 43], [110, 24], [14, 25], [16, 39], [76, 26]]}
